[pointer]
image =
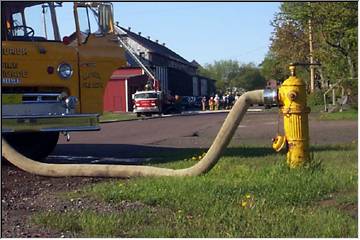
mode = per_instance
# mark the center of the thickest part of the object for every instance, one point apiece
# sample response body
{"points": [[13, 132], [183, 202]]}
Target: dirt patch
{"points": [[328, 203], [25, 194], [349, 208]]}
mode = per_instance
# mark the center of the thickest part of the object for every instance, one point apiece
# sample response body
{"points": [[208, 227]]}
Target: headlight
{"points": [[64, 70]]}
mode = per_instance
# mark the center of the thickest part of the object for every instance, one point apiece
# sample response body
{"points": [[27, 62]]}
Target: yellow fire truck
{"points": [[51, 83]]}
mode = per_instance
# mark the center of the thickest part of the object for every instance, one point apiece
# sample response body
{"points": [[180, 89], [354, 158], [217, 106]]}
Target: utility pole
{"points": [[312, 70]]}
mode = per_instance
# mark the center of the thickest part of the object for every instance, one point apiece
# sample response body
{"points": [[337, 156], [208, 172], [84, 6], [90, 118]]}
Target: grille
{"points": [[40, 97]]}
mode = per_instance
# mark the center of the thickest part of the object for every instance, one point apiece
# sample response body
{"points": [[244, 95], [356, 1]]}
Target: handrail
{"points": [[331, 88]]}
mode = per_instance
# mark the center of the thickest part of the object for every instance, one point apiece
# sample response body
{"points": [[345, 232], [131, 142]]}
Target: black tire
{"points": [[34, 145], [138, 114]]}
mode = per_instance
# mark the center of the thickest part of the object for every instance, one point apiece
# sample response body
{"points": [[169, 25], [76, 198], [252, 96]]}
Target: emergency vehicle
{"points": [[148, 102], [51, 83]]}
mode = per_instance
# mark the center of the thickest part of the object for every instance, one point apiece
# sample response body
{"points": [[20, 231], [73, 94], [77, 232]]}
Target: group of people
{"points": [[216, 102]]}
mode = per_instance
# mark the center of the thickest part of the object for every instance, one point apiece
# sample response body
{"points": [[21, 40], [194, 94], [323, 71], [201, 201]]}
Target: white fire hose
{"points": [[204, 165]]}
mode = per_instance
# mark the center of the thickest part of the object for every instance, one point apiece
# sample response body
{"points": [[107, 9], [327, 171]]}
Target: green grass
{"points": [[350, 114], [109, 117], [317, 108], [92, 223], [249, 193]]}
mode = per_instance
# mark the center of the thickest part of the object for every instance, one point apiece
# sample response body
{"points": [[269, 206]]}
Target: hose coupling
{"points": [[270, 97]]}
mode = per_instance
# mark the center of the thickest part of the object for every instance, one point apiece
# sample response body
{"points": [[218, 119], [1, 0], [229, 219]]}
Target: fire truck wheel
{"points": [[34, 145]]}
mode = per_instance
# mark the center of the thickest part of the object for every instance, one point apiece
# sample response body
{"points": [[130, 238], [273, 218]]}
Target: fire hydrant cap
{"points": [[279, 143], [293, 81]]}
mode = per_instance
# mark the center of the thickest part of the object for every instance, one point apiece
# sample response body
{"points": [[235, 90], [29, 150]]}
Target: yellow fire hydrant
{"points": [[292, 103]]}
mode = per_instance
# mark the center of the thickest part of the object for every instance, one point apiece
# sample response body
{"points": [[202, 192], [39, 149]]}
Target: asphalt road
{"points": [[130, 141]]}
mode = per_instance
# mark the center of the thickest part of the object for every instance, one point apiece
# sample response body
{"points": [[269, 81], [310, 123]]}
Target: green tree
{"points": [[222, 71], [337, 26], [271, 68], [289, 40], [334, 27], [249, 78], [229, 74]]}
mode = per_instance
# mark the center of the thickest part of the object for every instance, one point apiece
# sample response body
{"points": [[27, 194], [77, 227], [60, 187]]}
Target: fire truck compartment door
{"points": [[99, 56]]}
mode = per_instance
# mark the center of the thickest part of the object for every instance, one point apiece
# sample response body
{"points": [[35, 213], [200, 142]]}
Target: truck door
{"points": [[99, 53]]}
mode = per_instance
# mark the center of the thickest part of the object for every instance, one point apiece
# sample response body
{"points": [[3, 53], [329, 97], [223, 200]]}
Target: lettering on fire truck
{"points": [[13, 51]]}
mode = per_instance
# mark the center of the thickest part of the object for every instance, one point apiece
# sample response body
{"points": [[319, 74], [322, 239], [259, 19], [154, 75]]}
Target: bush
{"points": [[353, 102], [315, 98]]}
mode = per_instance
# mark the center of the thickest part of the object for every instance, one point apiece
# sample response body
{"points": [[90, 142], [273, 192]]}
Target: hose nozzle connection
{"points": [[270, 96]]}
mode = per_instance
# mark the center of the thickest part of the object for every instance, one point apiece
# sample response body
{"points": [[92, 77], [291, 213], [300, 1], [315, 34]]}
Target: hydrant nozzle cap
{"points": [[279, 142]]}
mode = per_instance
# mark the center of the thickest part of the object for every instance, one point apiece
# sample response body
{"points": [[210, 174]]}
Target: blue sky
{"points": [[205, 31]]}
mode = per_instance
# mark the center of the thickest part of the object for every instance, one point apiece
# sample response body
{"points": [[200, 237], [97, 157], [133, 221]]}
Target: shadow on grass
{"points": [[113, 153], [139, 154]]}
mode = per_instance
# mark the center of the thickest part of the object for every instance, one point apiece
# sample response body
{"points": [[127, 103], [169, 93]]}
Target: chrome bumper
{"points": [[51, 123], [146, 110]]}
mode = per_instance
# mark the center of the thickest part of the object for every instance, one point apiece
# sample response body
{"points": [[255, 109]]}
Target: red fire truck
{"points": [[154, 102]]}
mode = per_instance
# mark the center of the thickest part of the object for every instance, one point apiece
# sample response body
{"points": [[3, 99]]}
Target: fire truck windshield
{"points": [[88, 21], [145, 95], [28, 22]]}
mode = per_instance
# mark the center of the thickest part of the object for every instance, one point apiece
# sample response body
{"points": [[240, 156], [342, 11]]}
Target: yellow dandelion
{"points": [[193, 158], [243, 203], [200, 157], [248, 196]]}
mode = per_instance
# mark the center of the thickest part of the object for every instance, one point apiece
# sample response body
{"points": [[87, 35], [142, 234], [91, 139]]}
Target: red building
{"points": [[175, 74], [272, 84], [122, 84]]}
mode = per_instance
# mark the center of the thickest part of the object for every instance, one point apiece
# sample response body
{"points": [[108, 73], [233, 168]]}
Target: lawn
{"points": [[350, 114], [111, 117], [249, 193]]}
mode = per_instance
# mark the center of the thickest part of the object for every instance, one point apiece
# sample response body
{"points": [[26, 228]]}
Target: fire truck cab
{"points": [[148, 102], [53, 82]]}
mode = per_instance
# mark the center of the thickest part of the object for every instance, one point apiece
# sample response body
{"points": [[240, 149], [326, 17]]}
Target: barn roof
{"points": [[156, 48]]}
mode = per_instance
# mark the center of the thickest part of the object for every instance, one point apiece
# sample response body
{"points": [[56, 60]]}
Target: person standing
{"points": [[226, 101], [203, 103], [223, 101], [177, 103], [217, 102], [211, 103]]}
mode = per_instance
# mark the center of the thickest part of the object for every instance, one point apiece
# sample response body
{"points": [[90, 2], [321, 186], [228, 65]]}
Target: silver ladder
{"points": [[132, 52]]}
